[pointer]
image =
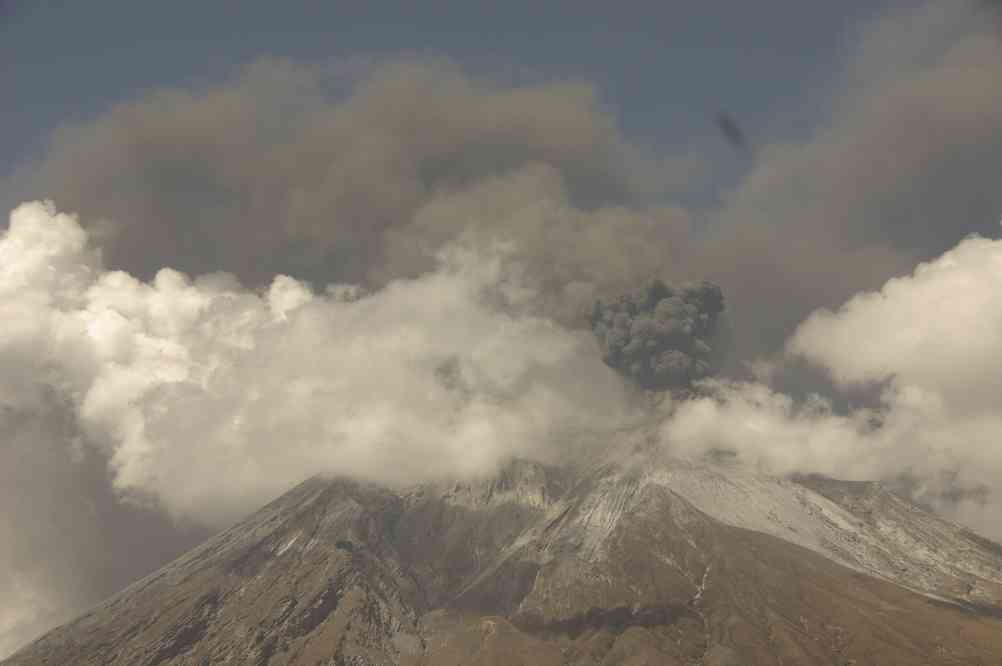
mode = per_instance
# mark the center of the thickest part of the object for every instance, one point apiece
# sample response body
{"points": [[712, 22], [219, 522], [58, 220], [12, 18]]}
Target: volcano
{"points": [[636, 558]]}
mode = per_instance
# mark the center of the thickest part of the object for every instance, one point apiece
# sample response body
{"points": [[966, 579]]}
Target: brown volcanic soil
{"points": [[536, 567]]}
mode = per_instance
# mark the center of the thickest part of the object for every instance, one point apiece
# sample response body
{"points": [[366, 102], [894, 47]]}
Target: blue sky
{"points": [[664, 68]]}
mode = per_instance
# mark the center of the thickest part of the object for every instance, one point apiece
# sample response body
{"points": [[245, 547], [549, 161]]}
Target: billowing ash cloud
{"points": [[458, 218], [933, 340], [661, 336], [361, 173], [335, 173], [201, 399], [178, 378], [903, 164]]}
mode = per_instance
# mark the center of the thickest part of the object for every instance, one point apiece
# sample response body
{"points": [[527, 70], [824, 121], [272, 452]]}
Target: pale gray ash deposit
{"points": [[661, 336]]}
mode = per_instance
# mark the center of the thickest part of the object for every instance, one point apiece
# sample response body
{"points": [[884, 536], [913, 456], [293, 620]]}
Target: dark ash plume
{"points": [[661, 336]]}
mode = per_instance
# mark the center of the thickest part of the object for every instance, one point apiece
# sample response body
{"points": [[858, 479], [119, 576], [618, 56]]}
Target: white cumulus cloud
{"points": [[932, 341], [206, 399]]}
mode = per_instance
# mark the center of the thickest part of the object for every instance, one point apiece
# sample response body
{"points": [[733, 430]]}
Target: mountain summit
{"points": [[639, 560]]}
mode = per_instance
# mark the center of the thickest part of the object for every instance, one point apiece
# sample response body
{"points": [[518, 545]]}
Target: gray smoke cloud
{"points": [[359, 173], [661, 336], [306, 169], [905, 165]]}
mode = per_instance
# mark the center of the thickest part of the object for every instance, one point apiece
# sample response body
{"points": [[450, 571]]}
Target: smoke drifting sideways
{"points": [[352, 173], [360, 173], [202, 399], [932, 341], [660, 336]]}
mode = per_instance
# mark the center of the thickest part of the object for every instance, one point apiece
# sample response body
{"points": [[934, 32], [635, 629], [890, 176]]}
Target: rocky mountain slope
{"points": [[635, 559]]}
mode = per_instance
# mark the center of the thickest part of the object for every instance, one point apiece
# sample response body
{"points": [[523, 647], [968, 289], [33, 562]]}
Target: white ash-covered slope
{"points": [[638, 559], [863, 525]]}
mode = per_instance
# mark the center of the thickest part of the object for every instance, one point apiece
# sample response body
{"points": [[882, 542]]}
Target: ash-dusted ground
{"points": [[635, 559]]}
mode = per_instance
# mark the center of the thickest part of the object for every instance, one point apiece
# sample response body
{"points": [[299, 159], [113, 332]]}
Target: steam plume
{"points": [[933, 340]]}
